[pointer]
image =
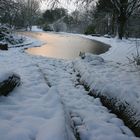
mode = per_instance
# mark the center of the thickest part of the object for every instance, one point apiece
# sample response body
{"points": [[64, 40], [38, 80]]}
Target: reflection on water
{"points": [[64, 46]]}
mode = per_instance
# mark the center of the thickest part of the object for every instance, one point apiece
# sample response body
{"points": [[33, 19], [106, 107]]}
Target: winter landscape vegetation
{"points": [[69, 70]]}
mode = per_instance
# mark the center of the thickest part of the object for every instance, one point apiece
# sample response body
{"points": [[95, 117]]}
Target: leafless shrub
{"points": [[135, 57]]}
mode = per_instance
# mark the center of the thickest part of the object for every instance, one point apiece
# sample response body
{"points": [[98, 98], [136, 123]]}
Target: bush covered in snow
{"points": [[7, 36]]}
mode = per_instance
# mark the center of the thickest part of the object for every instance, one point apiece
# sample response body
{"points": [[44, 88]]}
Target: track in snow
{"points": [[90, 119]]}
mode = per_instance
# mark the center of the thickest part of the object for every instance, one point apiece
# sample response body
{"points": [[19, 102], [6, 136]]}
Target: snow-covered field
{"points": [[51, 105]]}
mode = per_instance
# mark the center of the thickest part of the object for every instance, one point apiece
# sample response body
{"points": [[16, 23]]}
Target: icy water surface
{"points": [[65, 46]]}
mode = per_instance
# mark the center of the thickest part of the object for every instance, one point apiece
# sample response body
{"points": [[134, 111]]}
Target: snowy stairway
{"points": [[90, 118]]}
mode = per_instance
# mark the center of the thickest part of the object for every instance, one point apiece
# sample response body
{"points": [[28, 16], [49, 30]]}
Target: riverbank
{"points": [[50, 104]]}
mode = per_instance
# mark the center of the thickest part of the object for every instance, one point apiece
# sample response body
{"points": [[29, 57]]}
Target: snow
{"points": [[32, 109], [91, 118], [28, 41], [111, 74], [120, 50], [108, 78], [5, 76], [37, 110], [36, 29]]}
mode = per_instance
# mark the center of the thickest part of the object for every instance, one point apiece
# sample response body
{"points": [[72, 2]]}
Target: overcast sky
{"points": [[70, 6]]}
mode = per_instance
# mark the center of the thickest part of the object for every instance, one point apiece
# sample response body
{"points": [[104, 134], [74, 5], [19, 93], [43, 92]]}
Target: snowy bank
{"points": [[120, 50], [117, 82]]}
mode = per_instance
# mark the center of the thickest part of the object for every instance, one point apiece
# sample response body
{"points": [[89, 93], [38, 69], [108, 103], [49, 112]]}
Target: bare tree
{"points": [[8, 11], [19, 12], [29, 11], [125, 9]]}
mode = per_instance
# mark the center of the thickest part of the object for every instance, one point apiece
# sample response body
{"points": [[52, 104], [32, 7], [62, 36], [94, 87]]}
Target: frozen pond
{"points": [[64, 46]]}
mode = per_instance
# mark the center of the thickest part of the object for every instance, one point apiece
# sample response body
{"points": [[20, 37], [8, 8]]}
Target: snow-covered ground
{"points": [[114, 77], [51, 105], [36, 29]]}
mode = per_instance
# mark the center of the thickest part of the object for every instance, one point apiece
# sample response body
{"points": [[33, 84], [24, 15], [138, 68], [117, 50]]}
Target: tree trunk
{"points": [[122, 20], [113, 31], [121, 30]]}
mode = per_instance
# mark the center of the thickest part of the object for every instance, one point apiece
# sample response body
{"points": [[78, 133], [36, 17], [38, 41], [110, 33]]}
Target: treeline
{"points": [[19, 13], [120, 17], [113, 17], [58, 19]]}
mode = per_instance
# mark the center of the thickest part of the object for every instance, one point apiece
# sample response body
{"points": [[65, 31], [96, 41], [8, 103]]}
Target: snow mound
{"points": [[94, 59], [36, 29], [5, 75]]}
